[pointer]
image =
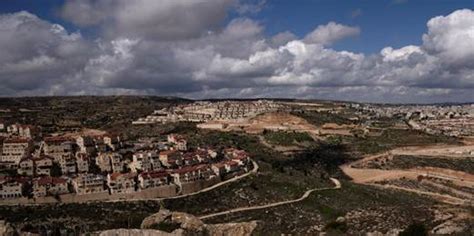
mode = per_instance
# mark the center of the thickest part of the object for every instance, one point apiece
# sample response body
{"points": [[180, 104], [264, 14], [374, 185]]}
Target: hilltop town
{"points": [[262, 166], [96, 163]]}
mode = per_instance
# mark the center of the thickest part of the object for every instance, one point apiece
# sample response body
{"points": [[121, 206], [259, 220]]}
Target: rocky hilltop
{"points": [[166, 223]]}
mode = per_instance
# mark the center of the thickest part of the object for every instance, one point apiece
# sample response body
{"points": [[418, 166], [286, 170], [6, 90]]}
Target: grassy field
{"points": [[385, 209], [283, 138], [321, 118], [408, 162], [392, 138]]}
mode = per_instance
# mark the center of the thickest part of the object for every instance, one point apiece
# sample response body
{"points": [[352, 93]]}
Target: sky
{"points": [[395, 51]]}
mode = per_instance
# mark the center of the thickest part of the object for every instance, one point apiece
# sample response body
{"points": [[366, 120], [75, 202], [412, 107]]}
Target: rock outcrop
{"points": [[6, 229], [245, 228], [167, 223]]}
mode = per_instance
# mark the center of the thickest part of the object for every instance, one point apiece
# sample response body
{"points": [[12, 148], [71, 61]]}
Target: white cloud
{"points": [[452, 38], [232, 60], [37, 54], [161, 20], [330, 33]]}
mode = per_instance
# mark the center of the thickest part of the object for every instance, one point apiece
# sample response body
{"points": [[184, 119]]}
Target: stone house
{"points": [[10, 189], [82, 162], [43, 165], [67, 162], [153, 179], [26, 167], [121, 183], [58, 147], [185, 175], [170, 158], [15, 149], [86, 145], [44, 186], [89, 183]]}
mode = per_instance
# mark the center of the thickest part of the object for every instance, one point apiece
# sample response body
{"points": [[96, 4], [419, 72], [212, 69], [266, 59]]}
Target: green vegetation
{"points": [[113, 113], [56, 170], [407, 162], [392, 138], [336, 227], [415, 229], [283, 138], [79, 217], [321, 118]]}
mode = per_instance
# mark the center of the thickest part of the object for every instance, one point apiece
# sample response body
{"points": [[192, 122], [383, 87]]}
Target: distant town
{"points": [[451, 120]]}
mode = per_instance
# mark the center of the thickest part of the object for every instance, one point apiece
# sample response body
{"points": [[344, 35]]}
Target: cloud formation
{"points": [[330, 33], [184, 48]]}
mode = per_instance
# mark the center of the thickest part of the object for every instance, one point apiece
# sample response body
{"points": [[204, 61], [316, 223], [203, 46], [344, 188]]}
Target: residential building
{"points": [[49, 186], [10, 190], [178, 141], [24, 131], [100, 146], [103, 162], [26, 167], [86, 145], [117, 163], [170, 158], [89, 183], [112, 141], [185, 174], [27, 131], [219, 169], [15, 149], [121, 183], [145, 161], [231, 166], [110, 162], [153, 179], [82, 162], [58, 147], [43, 165], [67, 162]]}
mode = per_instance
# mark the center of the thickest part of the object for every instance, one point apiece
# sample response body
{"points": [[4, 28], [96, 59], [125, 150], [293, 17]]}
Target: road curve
{"points": [[304, 196], [253, 171]]}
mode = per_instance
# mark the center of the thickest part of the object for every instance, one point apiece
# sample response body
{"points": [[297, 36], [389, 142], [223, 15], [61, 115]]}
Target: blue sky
{"points": [[383, 23]]}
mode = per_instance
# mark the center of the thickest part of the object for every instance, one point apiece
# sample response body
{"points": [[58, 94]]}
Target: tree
{"points": [[415, 229], [27, 190], [56, 170]]}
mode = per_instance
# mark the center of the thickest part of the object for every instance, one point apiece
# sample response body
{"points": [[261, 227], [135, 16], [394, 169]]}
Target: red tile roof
{"points": [[16, 140], [57, 139], [50, 180], [154, 174], [115, 176]]}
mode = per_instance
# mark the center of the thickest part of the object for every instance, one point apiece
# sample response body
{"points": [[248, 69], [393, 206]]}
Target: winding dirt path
{"points": [[368, 176], [305, 195], [253, 171]]}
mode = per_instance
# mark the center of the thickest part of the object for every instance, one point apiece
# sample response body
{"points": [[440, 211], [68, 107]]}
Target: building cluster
{"points": [[18, 130], [451, 120], [105, 164], [207, 111]]}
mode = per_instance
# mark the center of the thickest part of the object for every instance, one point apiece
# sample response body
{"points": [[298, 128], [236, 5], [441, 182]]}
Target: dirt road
{"points": [[370, 176], [304, 196]]}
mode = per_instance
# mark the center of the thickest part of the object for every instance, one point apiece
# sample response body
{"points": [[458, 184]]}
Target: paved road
{"points": [[305, 195]]}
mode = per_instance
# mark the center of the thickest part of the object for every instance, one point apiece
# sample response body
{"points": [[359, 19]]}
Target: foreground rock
{"points": [[6, 229], [167, 223]]}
